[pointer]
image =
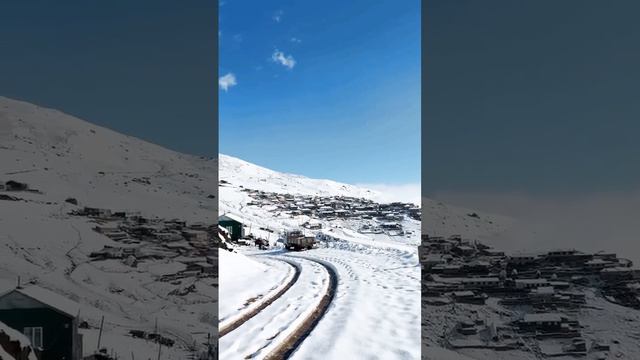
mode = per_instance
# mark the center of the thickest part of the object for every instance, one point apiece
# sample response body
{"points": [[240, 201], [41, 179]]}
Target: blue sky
{"points": [[325, 89], [144, 68], [534, 97]]}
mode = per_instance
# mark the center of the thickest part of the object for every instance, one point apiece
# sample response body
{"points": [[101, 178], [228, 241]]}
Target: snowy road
{"points": [[374, 313], [254, 306], [304, 329], [267, 330]]}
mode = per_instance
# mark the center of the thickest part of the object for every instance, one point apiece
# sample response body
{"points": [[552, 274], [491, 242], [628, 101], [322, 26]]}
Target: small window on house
{"points": [[34, 334]]}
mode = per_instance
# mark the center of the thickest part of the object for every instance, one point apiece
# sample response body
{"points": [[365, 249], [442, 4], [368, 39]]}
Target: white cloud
{"points": [[295, 40], [277, 16], [285, 60], [396, 192], [227, 81]]}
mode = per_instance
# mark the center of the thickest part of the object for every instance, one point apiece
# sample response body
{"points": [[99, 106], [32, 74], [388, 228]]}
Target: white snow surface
{"points": [[15, 335], [252, 176], [376, 311], [246, 282], [65, 157], [600, 320], [262, 333]]}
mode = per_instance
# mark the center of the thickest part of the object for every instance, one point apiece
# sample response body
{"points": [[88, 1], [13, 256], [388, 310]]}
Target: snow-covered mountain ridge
{"points": [[253, 176], [63, 156]]}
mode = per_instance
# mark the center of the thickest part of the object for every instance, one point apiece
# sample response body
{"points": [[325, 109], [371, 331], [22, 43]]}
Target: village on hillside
{"points": [[478, 299], [302, 252], [179, 258], [373, 217]]}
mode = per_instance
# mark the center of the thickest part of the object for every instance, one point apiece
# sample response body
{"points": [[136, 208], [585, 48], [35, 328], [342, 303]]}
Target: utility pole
{"points": [[100, 333], [158, 339]]}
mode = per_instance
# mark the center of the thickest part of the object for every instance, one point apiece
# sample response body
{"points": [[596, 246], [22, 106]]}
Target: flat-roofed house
{"points": [[531, 283], [481, 282], [545, 322]]}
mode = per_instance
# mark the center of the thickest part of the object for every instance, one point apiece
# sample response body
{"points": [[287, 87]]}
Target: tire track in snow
{"points": [[293, 341], [346, 296], [286, 322], [369, 282], [227, 328]]}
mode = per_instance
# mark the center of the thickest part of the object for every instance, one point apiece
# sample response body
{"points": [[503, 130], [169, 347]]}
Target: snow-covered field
{"points": [[375, 313], [600, 320], [64, 157]]}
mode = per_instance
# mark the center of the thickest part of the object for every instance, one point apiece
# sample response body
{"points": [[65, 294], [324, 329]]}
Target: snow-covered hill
{"points": [[378, 290], [61, 157], [251, 176], [438, 218], [64, 156], [441, 219]]}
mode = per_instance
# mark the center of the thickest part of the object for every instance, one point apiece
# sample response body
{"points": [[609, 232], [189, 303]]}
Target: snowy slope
{"points": [[601, 321], [248, 175], [440, 219], [378, 292], [64, 157]]}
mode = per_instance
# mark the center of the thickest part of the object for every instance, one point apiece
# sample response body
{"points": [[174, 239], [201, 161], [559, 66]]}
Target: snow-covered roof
{"points": [[448, 266], [46, 297], [543, 317], [531, 281], [522, 255], [433, 257], [544, 290], [479, 263], [483, 279], [634, 286], [597, 261], [232, 217], [178, 245]]}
